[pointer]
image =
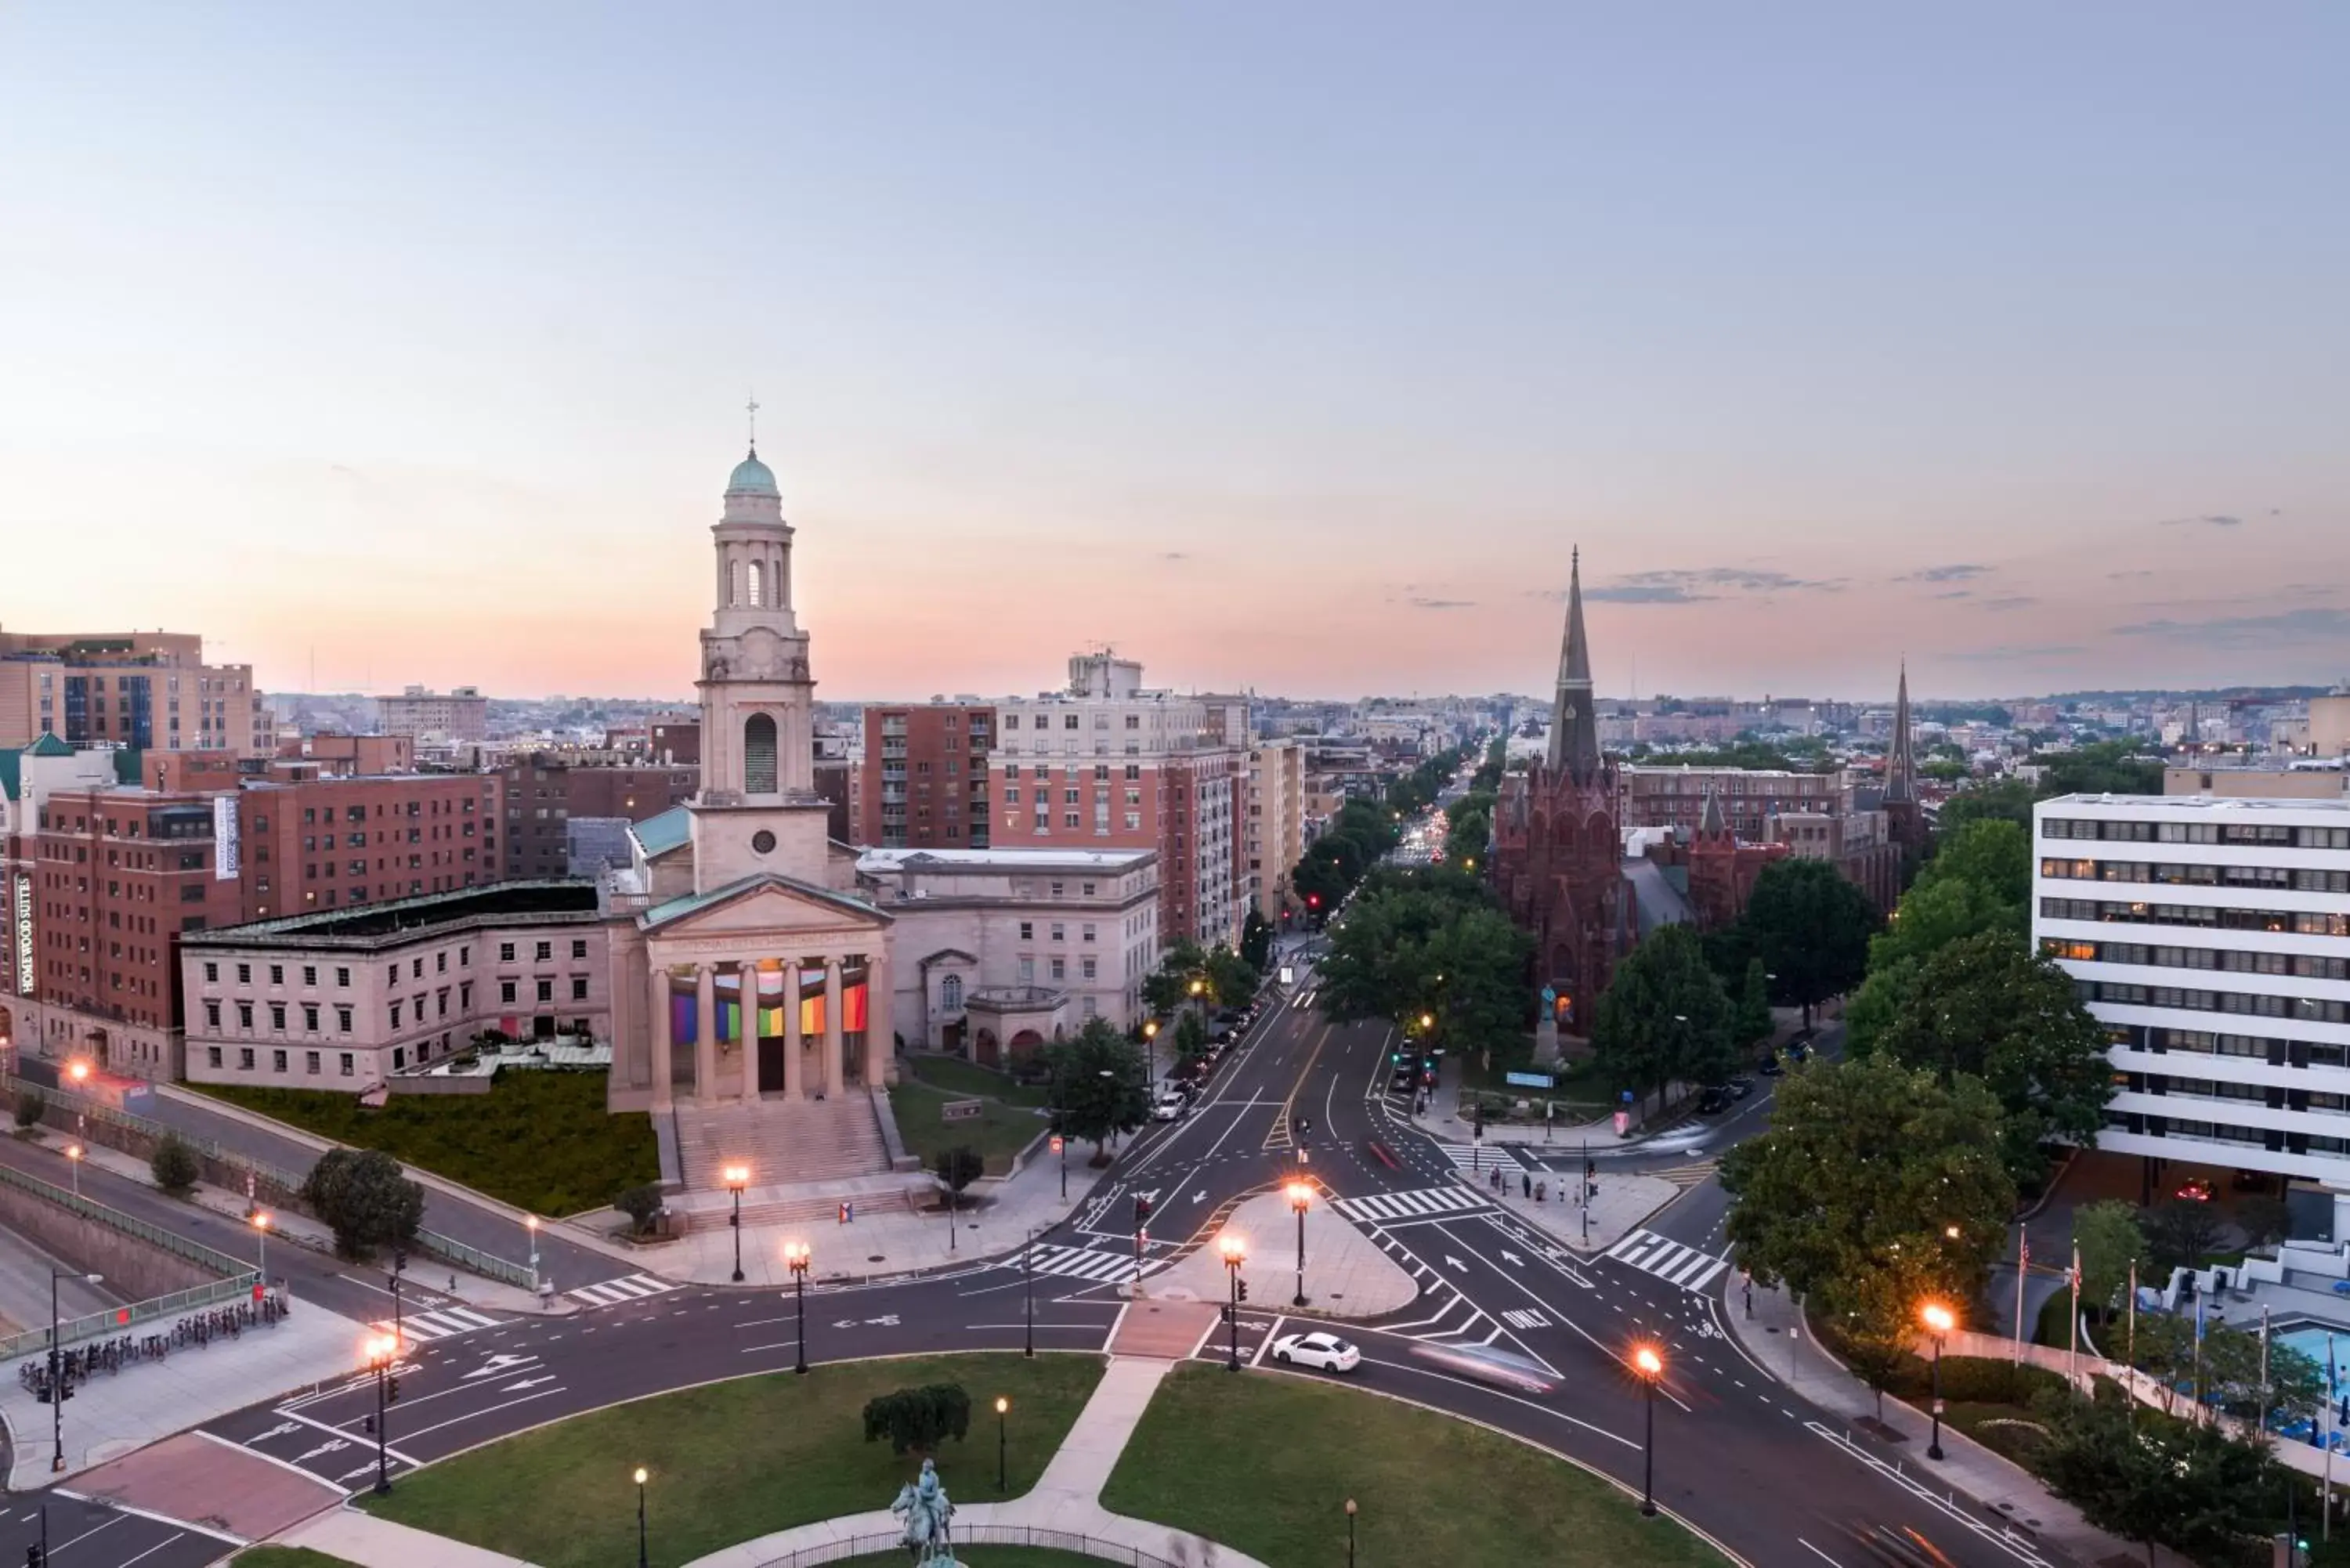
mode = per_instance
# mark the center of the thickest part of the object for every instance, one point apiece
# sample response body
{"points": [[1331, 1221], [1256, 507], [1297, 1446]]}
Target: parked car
{"points": [[1168, 1106], [1326, 1351], [1740, 1086], [1769, 1067], [1713, 1102]]}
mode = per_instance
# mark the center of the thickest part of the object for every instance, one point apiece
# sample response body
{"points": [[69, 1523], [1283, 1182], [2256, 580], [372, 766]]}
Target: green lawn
{"points": [[999, 1132], [288, 1557], [966, 1080], [733, 1461], [540, 1140], [1223, 1457]]}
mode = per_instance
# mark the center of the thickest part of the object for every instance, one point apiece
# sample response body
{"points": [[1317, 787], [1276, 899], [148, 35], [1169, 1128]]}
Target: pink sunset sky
{"points": [[1278, 353]]}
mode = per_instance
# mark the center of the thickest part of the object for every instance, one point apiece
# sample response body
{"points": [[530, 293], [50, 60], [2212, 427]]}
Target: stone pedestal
{"points": [[1546, 1044]]}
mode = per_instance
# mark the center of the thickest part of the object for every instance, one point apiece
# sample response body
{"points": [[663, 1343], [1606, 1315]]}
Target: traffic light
{"points": [[399, 1259], [1304, 1125], [1313, 900], [35, 1557], [1243, 1284], [1141, 1210], [1590, 1168], [391, 1391], [1225, 1310], [66, 1386]]}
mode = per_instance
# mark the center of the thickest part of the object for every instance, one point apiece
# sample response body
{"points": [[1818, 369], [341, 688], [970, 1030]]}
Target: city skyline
{"points": [[1831, 344]]}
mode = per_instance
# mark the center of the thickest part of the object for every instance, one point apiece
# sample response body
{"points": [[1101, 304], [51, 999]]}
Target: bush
{"points": [[174, 1165], [917, 1420], [364, 1197], [29, 1106], [642, 1204], [958, 1167]]}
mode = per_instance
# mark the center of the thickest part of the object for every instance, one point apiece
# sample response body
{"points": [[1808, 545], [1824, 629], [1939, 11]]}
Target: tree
{"points": [[1232, 978], [642, 1204], [1663, 1018], [1191, 1037], [2008, 800], [364, 1198], [1811, 929], [174, 1165], [2192, 1488], [1994, 854], [2180, 1232], [1430, 944], [956, 1167], [919, 1421], [1751, 1024], [1098, 1087], [1863, 1157], [1168, 986], [2263, 1219], [1256, 941], [1931, 916], [2108, 1239], [2102, 767], [30, 1105], [1987, 1005]]}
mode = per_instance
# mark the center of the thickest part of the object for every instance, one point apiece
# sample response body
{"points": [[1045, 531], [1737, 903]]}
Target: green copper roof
{"points": [[752, 475], [48, 745], [129, 766], [11, 774], [659, 835]]}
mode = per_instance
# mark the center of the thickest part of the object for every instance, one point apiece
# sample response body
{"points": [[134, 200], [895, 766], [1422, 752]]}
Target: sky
{"points": [[1287, 348]]}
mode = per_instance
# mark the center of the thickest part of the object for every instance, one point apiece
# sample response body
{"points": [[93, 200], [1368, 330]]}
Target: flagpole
{"points": [[2022, 1267], [2265, 1371], [2073, 1355], [2129, 1349], [2325, 1490]]}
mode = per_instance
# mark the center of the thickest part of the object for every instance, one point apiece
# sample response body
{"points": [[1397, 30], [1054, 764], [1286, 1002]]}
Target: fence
{"points": [[971, 1535], [263, 1174], [195, 1252]]}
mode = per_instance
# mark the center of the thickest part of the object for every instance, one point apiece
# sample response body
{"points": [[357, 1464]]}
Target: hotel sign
{"points": [[225, 847], [24, 910]]}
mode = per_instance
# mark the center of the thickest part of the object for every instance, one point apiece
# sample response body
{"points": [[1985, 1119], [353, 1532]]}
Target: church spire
{"points": [[1901, 762], [1574, 727], [1710, 824]]}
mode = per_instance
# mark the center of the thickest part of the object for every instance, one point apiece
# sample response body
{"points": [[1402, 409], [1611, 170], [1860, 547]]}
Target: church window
{"points": [[759, 754], [734, 582], [758, 582], [951, 993]]}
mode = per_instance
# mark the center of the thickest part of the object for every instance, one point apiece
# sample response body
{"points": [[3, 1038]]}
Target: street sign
{"points": [[1623, 1122], [1288, 975], [1528, 1080], [962, 1110]]}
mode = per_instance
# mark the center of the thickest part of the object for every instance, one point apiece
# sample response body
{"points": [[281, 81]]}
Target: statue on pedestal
{"points": [[923, 1503]]}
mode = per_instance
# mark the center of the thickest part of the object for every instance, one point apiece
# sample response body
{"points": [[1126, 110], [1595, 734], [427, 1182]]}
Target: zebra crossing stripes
{"points": [[1419, 1203], [1686, 1176], [439, 1324], [627, 1288], [1477, 1158], [1668, 1261], [1524, 1317], [1078, 1263]]}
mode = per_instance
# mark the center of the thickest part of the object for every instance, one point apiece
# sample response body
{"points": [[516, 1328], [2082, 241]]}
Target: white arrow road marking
{"points": [[322, 1449], [1513, 1258], [279, 1430], [1200, 1196], [354, 1475], [1254, 1325], [889, 1322], [1455, 1263], [498, 1364], [527, 1383], [843, 1323]]}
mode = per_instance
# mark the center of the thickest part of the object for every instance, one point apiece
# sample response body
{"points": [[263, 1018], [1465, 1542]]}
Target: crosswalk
{"points": [[1686, 1176], [1479, 1159], [627, 1288], [1668, 1261], [1419, 1203], [439, 1324], [1092, 1263]]}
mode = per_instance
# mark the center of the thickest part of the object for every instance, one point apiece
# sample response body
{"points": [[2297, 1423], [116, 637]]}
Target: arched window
{"points": [[758, 581], [759, 754], [951, 993], [734, 582]]}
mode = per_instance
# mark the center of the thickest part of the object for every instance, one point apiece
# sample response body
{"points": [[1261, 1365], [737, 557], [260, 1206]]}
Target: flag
{"points": [[2199, 1314]]}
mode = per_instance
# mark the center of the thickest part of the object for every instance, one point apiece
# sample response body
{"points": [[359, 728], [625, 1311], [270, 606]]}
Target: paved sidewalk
{"points": [[1624, 1201], [1348, 1275], [1778, 1340], [996, 1218], [1067, 1498], [350, 1536]]}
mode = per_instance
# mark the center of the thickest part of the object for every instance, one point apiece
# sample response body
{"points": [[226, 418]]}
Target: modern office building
{"points": [[2212, 937], [459, 714], [151, 691]]}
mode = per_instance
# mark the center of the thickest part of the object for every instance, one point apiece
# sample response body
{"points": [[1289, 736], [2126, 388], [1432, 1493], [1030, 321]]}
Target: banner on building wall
{"points": [[24, 934], [225, 859]]}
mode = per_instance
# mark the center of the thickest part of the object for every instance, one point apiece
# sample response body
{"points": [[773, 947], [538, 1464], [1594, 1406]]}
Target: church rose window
{"points": [[759, 754], [763, 841]]}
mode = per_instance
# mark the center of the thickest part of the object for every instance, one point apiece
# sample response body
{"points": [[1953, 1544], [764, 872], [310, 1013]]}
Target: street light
{"points": [[1939, 1320], [1150, 1052], [56, 1367], [736, 1177], [382, 1351], [796, 1258], [1001, 1405], [72, 1161], [261, 1238], [1301, 1197], [1235, 1251], [1350, 1532], [530, 1223], [1650, 1365], [643, 1561]]}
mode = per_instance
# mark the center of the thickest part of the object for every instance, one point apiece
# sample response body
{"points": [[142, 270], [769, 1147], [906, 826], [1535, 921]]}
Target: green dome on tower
{"points": [[753, 476]]}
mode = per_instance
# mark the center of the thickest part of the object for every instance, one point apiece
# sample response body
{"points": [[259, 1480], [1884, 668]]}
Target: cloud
{"points": [[1421, 601], [2248, 630], [2119, 576], [1683, 587], [2014, 601], [2207, 520], [1174, 555], [1942, 574], [2007, 652], [1956, 594]]}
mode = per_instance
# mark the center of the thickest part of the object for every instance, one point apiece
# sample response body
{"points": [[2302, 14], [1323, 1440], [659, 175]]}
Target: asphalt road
{"points": [[1735, 1453]]}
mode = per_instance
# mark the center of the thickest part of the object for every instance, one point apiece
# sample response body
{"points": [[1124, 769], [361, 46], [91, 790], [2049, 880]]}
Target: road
{"points": [[1736, 1454]]}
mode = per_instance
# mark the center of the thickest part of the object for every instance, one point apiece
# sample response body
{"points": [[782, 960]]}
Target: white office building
{"points": [[2211, 936]]}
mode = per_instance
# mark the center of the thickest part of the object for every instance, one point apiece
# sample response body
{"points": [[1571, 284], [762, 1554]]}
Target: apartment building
{"points": [[461, 713], [1106, 763], [924, 779], [2211, 936], [541, 794], [149, 690], [320, 844], [347, 999], [1275, 830]]}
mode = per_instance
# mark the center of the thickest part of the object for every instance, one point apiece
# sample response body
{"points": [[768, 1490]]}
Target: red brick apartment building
{"points": [[924, 784]]}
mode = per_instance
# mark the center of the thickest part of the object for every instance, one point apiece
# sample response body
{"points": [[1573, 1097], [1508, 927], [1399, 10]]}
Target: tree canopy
{"points": [[1429, 943], [365, 1200], [1097, 1088], [1811, 929], [1664, 1018]]}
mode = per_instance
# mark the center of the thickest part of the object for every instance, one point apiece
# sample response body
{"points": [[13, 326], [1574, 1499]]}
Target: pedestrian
{"points": [[1525, 1184], [1542, 1191]]}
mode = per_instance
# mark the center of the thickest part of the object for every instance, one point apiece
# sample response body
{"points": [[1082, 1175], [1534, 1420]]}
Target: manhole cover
{"points": [[1338, 1295], [876, 1257]]}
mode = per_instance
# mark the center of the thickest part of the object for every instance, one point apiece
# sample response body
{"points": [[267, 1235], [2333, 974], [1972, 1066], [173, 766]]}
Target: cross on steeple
{"points": [[752, 409]]}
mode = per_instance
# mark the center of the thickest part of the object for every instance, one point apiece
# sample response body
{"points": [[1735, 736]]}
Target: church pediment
{"points": [[762, 905]]}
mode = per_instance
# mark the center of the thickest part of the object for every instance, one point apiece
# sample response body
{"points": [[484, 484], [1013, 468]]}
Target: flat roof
{"points": [[892, 859], [2325, 804], [500, 902]]}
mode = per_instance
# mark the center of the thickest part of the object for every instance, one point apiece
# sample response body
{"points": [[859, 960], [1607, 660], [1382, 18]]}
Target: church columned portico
{"points": [[729, 1025]]}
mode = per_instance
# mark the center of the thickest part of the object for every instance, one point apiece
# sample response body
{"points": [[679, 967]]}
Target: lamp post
{"points": [[78, 1071], [643, 1558], [1061, 1147], [1939, 1320], [796, 1258], [1350, 1532], [56, 1367], [736, 1176], [1150, 1052], [530, 1223], [261, 1239], [382, 1351], [1301, 1198], [1650, 1365], [1002, 1406], [73, 1162], [1235, 1252]]}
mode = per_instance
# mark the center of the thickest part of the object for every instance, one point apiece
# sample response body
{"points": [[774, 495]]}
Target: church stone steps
{"points": [[782, 1141]]}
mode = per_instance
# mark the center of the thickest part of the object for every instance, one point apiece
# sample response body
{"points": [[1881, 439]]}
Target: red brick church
{"points": [[1557, 850]]}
